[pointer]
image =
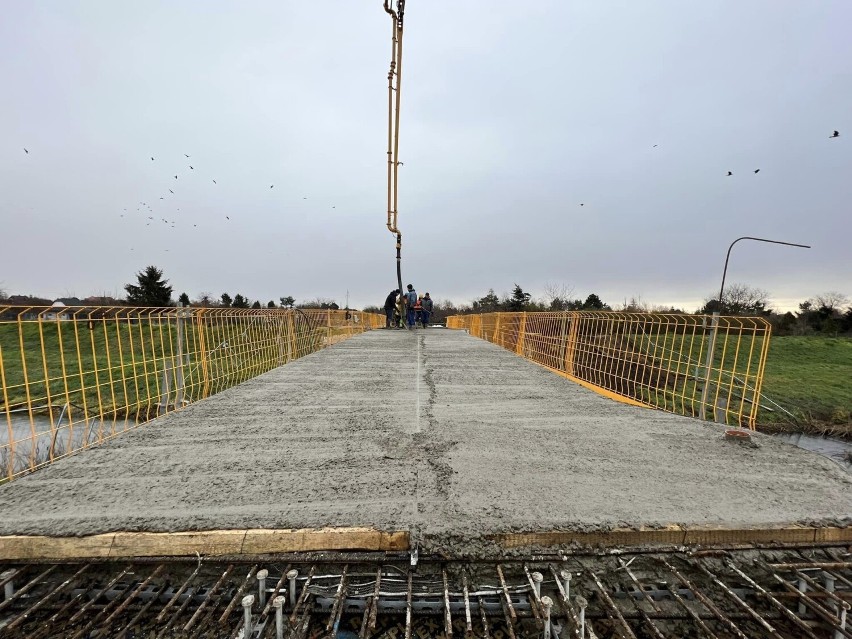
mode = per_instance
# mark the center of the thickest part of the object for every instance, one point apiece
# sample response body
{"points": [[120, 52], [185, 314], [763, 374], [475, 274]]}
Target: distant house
{"points": [[58, 312], [69, 301]]}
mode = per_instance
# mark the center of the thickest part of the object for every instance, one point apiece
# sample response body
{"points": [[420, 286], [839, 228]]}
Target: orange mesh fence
{"points": [[73, 377], [702, 366]]}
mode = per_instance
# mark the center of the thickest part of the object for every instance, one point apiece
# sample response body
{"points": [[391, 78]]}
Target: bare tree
{"points": [[739, 299], [831, 301], [634, 305], [205, 299], [557, 295]]}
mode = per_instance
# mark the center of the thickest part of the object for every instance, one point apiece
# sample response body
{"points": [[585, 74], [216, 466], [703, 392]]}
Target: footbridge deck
{"points": [[432, 438]]}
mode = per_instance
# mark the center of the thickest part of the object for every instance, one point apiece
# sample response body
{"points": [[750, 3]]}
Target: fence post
{"points": [[291, 335], [522, 329], [563, 340], [281, 321], [179, 385], [328, 322], [571, 344], [708, 365], [165, 385], [202, 351]]}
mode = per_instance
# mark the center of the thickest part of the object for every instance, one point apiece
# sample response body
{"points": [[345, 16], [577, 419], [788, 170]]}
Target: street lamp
{"points": [[728, 256], [711, 347]]}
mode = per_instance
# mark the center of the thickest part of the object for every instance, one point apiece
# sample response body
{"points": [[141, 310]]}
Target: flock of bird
{"points": [[154, 218], [166, 221], [834, 134], [172, 223]]}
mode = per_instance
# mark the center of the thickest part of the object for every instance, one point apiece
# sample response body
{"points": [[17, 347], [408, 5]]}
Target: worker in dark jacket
{"points": [[390, 305], [426, 313]]}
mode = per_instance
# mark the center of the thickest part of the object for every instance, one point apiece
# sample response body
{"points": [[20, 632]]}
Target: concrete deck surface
{"points": [[431, 431]]}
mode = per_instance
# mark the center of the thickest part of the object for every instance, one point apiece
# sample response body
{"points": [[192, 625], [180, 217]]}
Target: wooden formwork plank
{"points": [[675, 535], [260, 541], [208, 543], [670, 535], [721, 535], [26, 547], [833, 534]]}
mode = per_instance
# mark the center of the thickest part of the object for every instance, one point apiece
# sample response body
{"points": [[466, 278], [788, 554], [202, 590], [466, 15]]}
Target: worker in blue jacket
{"points": [[410, 301]]}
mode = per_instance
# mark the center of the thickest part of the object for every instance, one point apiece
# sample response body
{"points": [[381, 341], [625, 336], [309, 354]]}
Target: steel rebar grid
{"points": [[742, 593]]}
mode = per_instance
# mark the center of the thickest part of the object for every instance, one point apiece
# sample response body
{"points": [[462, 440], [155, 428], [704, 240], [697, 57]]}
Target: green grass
{"points": [[812, 378], [109, 366]]}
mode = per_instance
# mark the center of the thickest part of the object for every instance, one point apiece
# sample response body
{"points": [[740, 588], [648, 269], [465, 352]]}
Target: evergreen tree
{"points": [[489, 303], [256, 304], [519, 299], [270, 304], [226, 300], [593, 303], [184, 299], [239, 302], [150, 290]]}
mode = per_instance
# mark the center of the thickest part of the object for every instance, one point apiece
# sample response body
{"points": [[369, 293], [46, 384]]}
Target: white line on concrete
{"points": [[417, 389]]}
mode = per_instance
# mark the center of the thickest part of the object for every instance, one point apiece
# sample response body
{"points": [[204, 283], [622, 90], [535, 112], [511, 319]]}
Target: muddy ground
{"points": [[435, 432]]}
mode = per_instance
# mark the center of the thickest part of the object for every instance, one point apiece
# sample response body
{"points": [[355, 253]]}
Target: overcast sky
{"points": [[513, 114]]}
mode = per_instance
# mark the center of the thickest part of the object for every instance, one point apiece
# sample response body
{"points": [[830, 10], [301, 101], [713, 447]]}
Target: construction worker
{"points": [[390, 305], [426, 313], [399, 312], [410, 301], [418, 310]]}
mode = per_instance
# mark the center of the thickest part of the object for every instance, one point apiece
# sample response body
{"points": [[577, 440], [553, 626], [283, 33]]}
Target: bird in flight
{"points": [[729, 174], [214, 182], [161, 198], [581, 204], [176, 177], [186, 155], [27, 152], [172, 192], [271, 185], [152, 159], [656, 145], [192, 168], [836, 134], [757, 170], [227, 218]]}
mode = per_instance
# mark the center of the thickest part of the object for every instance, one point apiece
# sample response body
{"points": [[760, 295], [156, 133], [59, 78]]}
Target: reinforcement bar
{"points": [[716, 593]]}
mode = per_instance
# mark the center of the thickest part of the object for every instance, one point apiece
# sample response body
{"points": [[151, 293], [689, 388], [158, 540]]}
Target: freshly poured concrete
{"points": [[434, 432]]}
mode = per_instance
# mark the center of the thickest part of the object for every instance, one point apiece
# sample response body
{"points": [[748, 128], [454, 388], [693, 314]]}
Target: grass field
{"points": [[108, 365], [812, 378]]}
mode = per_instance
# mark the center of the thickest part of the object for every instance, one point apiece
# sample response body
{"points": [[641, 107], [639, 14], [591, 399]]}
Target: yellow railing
{"points": [[74, 377], [702, 366]]}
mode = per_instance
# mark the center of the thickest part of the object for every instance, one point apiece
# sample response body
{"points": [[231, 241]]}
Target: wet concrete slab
{"points": [[433, 432]]}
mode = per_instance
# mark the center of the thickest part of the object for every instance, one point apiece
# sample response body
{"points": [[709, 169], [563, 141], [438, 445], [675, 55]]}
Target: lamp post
{"points": [[711, 347], [728, 256]]}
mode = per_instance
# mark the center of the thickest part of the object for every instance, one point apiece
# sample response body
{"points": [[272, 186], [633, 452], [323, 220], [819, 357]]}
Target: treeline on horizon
{"points": [[828, 313]]}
